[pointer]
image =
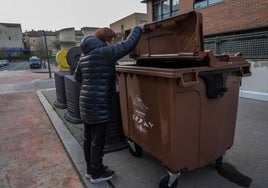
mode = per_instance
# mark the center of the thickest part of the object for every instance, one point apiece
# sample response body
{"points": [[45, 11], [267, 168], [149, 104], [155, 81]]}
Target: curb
{"points": [[254, 95]]}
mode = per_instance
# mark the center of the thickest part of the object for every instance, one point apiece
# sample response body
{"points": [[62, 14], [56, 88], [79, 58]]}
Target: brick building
{"points": [[228, 25]]}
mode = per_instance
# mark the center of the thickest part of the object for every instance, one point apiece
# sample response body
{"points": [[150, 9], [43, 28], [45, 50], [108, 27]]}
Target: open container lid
{"points": [[179, 37]]}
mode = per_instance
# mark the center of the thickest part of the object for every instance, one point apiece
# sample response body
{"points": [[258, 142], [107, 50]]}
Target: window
{"points": [[204, 3], [9, 38], [175, 7], [143, 21], [165, 8]]}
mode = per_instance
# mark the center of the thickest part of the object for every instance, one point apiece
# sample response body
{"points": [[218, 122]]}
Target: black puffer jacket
{"points": [[96, 73]]}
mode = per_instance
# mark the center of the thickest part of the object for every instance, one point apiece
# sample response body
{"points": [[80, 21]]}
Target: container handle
{"points": [[189, 79], [245, 71]]}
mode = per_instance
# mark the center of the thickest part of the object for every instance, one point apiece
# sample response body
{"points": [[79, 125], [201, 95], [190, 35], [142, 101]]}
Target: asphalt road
{"points": [[14, 66]]}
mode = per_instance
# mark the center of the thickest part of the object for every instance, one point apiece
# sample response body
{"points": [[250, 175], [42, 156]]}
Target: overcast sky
{"points": [[60, 14]]}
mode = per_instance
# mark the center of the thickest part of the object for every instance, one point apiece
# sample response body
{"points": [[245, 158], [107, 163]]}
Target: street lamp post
{"points": [[47, 54]]}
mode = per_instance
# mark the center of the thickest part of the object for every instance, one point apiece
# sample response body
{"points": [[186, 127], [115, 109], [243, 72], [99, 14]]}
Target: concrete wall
{"points": [[10, 36], [67, 38], [128, 22], [88, 30]]}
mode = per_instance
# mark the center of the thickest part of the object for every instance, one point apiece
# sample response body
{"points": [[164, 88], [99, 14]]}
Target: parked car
{"points": [[35, 62], [4, 62]]}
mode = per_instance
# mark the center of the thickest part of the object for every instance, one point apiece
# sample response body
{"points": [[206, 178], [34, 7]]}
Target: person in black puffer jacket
{"points": [[96, 73]]}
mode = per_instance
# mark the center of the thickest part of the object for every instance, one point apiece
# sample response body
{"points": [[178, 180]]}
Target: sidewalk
{"points": [[38, 150], [248, 154]]}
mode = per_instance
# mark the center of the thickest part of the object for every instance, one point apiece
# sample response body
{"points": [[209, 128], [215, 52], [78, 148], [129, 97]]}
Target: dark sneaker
{"points": [[106, 175], [88, 175]]}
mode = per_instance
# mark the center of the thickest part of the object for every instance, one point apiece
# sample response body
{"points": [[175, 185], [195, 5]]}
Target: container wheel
{"points": [[218, 164], [135, 149], [164, 183]]}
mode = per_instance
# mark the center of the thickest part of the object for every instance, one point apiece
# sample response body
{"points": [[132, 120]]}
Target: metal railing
{"points": [[253, 45]]}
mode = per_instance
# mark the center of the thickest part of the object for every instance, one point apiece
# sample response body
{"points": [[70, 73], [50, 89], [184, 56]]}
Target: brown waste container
{"points": [[179, 102]]}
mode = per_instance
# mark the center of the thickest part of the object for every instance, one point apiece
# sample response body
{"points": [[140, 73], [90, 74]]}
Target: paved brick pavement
{"points": [[17, 81], [31, 153]]}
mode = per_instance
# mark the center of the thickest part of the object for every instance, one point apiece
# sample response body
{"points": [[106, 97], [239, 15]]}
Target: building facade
{"points": [[127, 23], [63, 39], [228, 25], [10, 40], [35, 41], [85, 31]]}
